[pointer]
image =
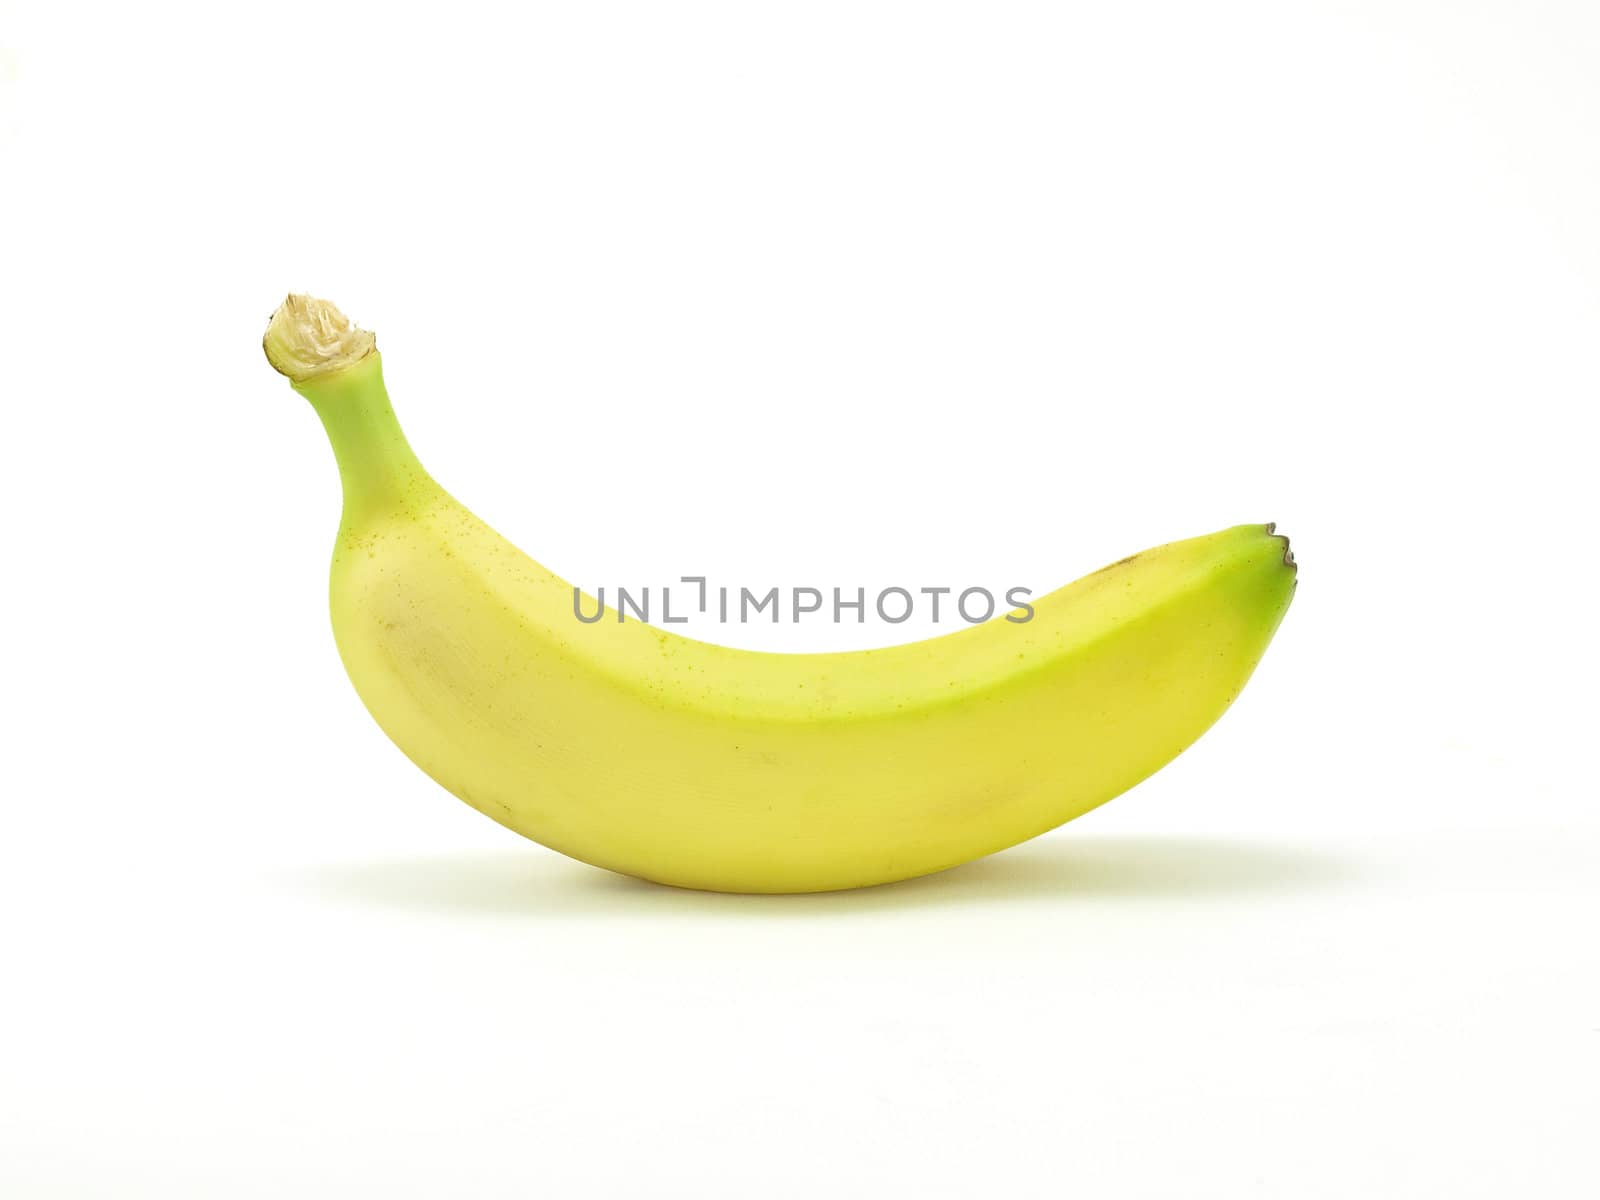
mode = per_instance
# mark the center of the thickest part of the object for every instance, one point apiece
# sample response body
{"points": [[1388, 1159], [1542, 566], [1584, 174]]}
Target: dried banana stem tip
{"points": [[308, 337]]}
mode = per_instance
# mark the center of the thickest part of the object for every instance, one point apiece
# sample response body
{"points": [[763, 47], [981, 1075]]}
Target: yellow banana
{"points": [[634, 749]]}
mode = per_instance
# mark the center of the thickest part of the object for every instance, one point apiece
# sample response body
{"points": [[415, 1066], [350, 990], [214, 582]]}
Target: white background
{"points": [[837, 294]]}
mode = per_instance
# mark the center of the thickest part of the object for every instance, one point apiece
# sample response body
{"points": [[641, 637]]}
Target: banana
{"points": [[674, 760]]}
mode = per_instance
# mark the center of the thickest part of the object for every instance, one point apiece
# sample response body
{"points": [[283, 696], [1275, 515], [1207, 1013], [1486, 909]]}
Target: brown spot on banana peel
{"points": [[1115, 565]]}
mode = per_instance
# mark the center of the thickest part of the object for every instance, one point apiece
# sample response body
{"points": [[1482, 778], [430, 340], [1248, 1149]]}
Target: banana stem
{"points": [[337, 368], [377, 466]]}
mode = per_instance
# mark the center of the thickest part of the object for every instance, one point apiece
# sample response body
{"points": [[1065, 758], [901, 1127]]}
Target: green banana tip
{"points": [[307, 338], [1288, 553]]}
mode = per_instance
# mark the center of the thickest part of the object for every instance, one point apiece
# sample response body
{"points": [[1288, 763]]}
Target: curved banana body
{"points": [[654, 755]]}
